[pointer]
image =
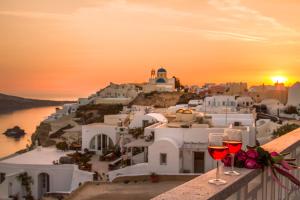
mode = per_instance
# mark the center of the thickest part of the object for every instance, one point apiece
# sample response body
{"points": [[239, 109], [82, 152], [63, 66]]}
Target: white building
{"points": [[220, 101], [218, 104], [65, 110], [117, 100], [178, 149], [265, 129], [294, 95], [69, 108], [223, 119], [195, 102], [83, 101], [101, 137], [143, 120], [159, 82], [117, 94], [244, 101], [47, 177], [274, 106]]}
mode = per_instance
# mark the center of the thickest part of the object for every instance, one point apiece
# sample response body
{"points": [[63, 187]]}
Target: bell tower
{"points": [[152, 74]]}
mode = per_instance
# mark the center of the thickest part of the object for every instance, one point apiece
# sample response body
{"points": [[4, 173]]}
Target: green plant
{"points": [[62, 146], [85, 159], [26, 182], [82, 160], [285, 129]]}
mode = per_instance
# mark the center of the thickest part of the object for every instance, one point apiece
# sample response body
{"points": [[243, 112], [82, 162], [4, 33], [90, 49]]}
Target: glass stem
{"points": [[232, 162], [218, 171]]}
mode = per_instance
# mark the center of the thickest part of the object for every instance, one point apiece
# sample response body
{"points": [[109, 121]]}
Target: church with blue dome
{"points": [[160, 82]]}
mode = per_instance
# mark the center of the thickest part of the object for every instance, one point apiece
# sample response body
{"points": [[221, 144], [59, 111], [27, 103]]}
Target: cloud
{"points": [[37, 15], [231, 35], [170, 19], [257, 23], [221, 35], [213, 20]]}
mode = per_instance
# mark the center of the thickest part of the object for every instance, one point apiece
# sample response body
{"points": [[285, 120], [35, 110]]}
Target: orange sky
{"points": [[71, 48]]}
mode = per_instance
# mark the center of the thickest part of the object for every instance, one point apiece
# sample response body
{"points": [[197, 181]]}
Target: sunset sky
{"points": [[63, 49]]}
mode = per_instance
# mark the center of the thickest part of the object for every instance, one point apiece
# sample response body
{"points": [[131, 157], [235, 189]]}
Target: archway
{"points": [[101, 143], [43, 184]]}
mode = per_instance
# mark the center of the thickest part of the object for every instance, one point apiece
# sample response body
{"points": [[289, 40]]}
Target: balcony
{"points": [[251, 184]]}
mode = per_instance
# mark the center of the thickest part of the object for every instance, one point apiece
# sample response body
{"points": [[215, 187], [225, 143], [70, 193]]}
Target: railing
{"points": [[251, 184]]}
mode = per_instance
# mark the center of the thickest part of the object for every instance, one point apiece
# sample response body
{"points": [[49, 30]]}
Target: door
{"points": [[43, 184], [198, 162]]}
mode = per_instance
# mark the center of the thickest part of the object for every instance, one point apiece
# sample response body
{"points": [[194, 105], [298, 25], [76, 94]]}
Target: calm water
{"points": [[27, 119]]}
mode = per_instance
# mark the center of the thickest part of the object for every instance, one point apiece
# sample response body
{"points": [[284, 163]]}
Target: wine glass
{"points": [[217, 151], [233, 140]]}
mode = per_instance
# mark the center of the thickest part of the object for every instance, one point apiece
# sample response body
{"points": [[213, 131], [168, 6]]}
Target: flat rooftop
{"points": [[44, 156], [122, 191], [96, 125]]}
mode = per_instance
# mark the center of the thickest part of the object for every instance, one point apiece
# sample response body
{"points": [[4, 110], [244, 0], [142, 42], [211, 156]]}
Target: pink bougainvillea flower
{"points": [[251, 153], [273, 154], [241, 155], [251, 164]]}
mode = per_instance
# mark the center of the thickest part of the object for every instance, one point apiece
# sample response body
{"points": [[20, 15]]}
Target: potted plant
{"points": [[154, 177]]}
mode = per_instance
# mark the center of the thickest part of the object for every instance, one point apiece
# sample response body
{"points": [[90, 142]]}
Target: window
{"points": [[145, 123], [163, 159]]}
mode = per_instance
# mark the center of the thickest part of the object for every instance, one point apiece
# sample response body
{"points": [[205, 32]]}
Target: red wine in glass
{"points": [[218, 152], [232, 140], [233, 146]]}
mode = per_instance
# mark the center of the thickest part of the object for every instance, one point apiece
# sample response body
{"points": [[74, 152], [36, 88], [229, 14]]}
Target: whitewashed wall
{"points": [[220, 119], [89, 131], [169, 147], [60, 176]]}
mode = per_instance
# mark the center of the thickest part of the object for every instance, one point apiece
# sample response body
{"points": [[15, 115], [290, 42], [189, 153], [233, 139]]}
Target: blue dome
{"points": [[160, 80], [161, 70]]}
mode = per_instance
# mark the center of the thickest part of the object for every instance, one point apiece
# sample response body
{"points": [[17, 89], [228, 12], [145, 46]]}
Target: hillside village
{"points": [[139, 132]]}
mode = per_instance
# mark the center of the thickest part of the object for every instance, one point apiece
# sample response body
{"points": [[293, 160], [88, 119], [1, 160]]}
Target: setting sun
{"points": [[279, 79]]}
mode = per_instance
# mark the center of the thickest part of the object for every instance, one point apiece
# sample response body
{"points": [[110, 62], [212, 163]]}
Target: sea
{"points": [[27, 119]]}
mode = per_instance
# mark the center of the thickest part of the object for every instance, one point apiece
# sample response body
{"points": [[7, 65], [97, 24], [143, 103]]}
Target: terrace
{"points": [[251, 184]]}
